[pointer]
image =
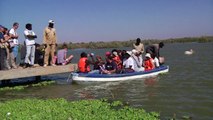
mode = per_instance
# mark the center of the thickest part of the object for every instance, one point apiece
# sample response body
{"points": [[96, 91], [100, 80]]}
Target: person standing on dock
{"points": [[2, 50], [14, 44], [49, 41], [30, 45]]}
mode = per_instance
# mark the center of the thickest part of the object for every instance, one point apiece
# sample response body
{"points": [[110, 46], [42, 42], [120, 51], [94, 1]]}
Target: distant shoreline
{"points": [[118, 44]]}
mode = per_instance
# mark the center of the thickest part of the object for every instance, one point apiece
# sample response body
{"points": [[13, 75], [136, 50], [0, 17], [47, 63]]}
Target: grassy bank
{"points": [[61, 109]]}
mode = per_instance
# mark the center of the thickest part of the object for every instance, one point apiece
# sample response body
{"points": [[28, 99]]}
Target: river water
{"points": [[186, 90]]}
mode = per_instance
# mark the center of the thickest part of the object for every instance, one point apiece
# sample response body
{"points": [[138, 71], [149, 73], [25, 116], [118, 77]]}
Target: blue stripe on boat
{"points": [[96, 75]]}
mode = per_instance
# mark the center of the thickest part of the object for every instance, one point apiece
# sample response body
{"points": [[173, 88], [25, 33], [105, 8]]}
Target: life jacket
{"points": [[148, 64], [82, 66], [118, 62]]}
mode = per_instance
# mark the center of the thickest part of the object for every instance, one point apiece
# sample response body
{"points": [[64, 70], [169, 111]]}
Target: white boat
{"points": [[118, 77]]}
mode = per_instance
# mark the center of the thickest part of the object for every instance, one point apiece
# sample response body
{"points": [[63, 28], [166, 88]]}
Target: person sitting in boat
{"points": [[84, 63], [148, 62], [107, 54], [62, 58], [110, 67], [128, 63], [154, 50], [98, 63], [156, 61], [138, 61], [117, 59], [122, 54], [39, 54]]}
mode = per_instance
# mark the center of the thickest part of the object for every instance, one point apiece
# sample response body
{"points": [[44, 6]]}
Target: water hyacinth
{"points": [[61, 109], [21, 87]]}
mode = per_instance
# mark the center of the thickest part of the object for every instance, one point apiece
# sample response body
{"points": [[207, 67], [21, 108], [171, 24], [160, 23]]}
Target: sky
{"points": [[110, 20]]}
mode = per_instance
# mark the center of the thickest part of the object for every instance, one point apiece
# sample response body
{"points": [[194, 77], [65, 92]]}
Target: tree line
{"points": [[118, 44]]}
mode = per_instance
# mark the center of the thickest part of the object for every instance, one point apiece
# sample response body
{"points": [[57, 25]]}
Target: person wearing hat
{"points": [[107, 54], [138, 61], [117, 59], [148, 62], [50, 41], [128, 62]]}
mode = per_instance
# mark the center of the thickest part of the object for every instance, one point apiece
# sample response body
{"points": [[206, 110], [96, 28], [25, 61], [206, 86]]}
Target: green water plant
{"points": [[44, 83], [61, 109], [13, 88], [21, 87]]}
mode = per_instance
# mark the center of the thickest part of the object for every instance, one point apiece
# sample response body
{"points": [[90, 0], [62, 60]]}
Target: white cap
{"points": [[148, 55], [51, 21], [115, 53], [92, 54], [129, 52], [134, 51]]}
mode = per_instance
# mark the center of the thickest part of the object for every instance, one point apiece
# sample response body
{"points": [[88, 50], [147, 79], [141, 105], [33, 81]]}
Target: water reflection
{"points": [[133, 91], [150, 82], [149, 86], [97, 90]]}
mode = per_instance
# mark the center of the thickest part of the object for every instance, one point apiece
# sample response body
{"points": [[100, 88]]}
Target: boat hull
{"points": [[118, 77]]}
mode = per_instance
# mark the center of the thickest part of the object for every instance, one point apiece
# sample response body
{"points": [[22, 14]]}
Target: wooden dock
{"points": [[36, 71]]}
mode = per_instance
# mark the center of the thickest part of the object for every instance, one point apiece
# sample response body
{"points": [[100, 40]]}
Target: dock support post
{"points": [[38, 78]]}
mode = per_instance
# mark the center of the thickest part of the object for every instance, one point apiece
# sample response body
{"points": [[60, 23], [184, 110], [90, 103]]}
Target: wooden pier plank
{"points": [[37, 71]]}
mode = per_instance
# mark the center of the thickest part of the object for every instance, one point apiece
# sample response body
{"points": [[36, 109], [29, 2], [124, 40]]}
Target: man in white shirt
{"points": [[138, 61], [13, 44], [128, 62], [30, 45]]}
